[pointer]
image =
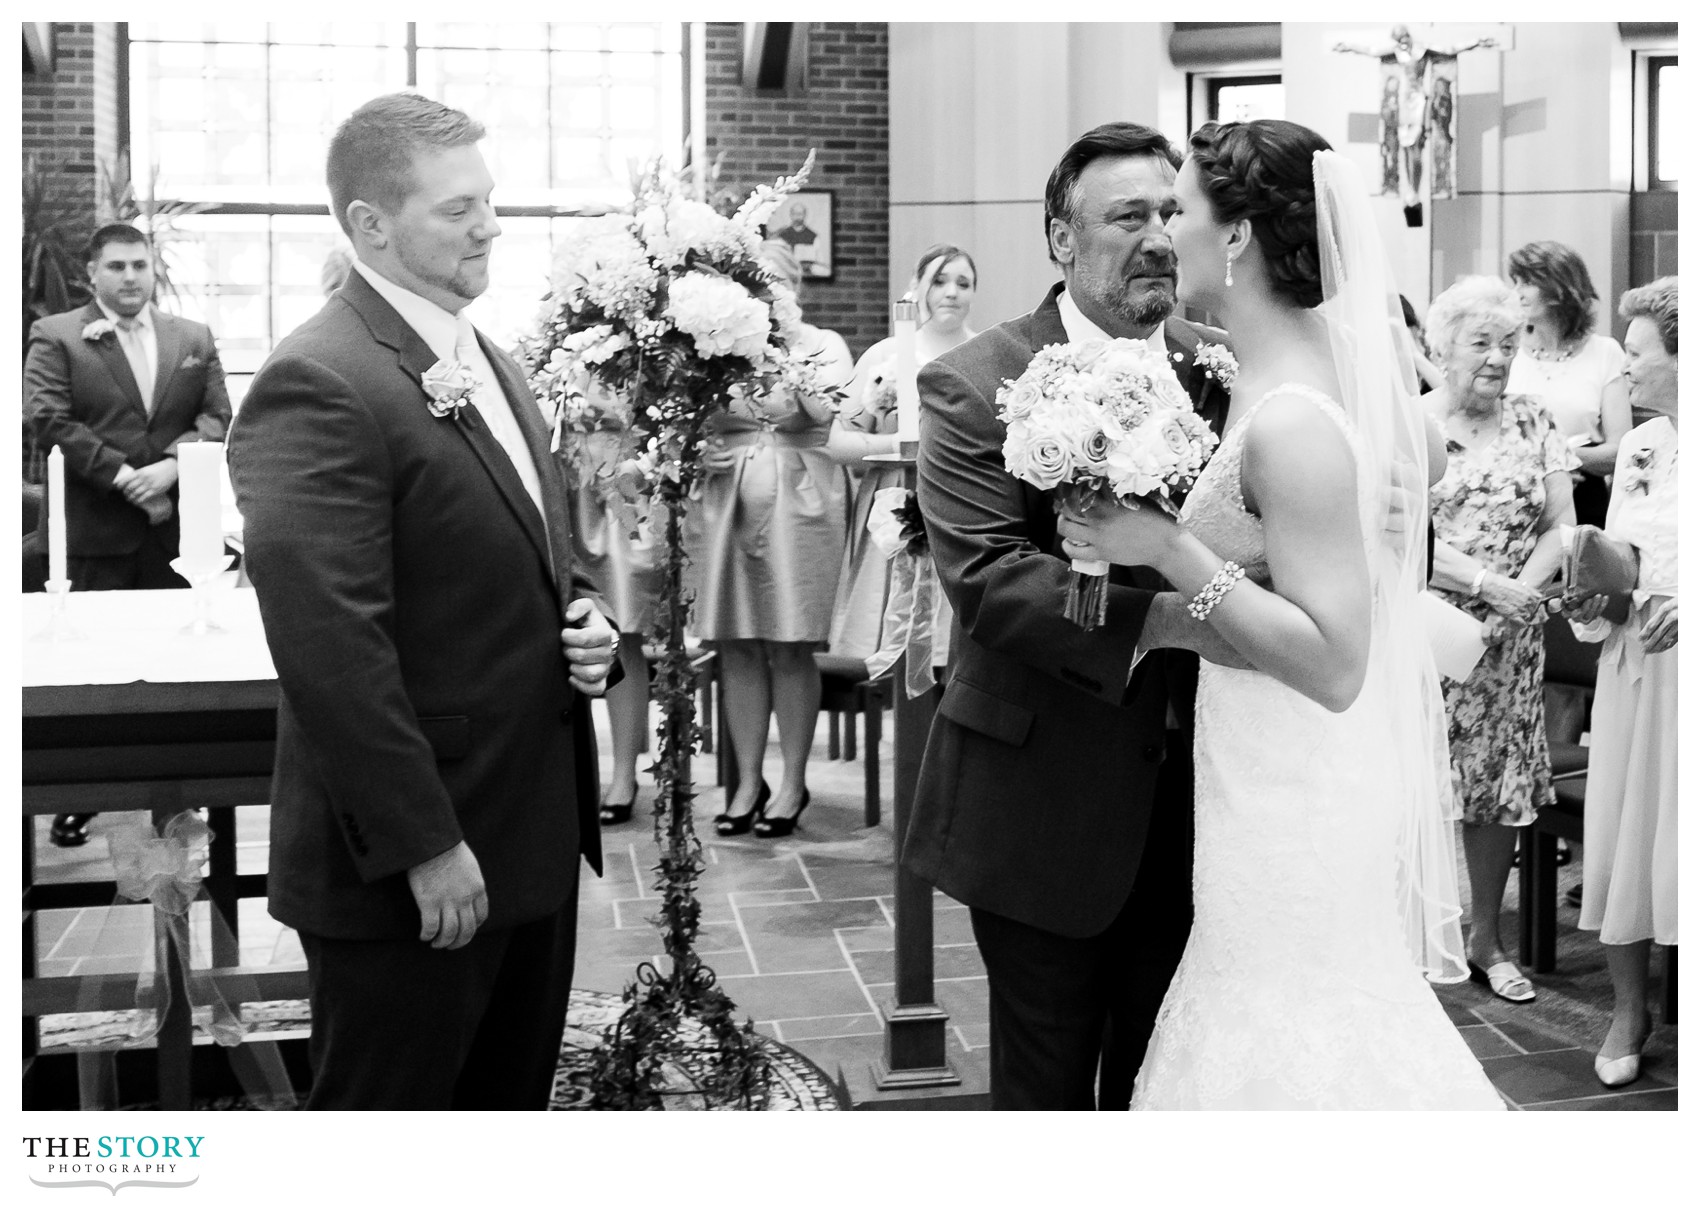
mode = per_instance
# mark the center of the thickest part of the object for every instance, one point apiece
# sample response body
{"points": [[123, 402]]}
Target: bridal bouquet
{"points": [[1102, 417]]}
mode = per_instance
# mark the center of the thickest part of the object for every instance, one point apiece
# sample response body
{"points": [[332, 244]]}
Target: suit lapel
{"points": [[1046, 326], [111, 355], [168, 348], [550, 485], [415, 358]]}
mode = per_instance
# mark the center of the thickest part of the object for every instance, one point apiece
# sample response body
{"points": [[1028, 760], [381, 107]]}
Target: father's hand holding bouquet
{"points": [[1102, 421]]}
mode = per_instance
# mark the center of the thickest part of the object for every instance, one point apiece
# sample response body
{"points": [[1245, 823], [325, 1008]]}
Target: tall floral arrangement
{"points": [[661, 317]]}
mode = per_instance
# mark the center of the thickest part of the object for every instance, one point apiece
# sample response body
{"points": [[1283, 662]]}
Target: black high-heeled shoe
{"points": [[732, 826], [781, 826], [71, 829], [616, 814]]}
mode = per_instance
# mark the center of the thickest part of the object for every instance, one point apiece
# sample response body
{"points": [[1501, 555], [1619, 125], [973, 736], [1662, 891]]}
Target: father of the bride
{"points": [[1055, 797], [407, 536]]}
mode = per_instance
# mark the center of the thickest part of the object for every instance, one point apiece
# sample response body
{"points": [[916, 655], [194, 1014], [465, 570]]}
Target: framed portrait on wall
{"points": [[805, 222]]}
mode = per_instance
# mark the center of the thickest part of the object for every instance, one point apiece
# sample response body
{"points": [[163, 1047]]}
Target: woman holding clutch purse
{"points": [[1629, 825], [1497, 513]]}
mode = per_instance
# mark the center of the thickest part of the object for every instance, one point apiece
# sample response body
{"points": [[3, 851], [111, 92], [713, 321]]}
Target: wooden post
{"points": [[914, 1022]]}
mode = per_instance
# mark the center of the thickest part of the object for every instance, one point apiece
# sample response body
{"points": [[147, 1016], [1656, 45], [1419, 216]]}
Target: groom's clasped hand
{"points": [[588, 644]]}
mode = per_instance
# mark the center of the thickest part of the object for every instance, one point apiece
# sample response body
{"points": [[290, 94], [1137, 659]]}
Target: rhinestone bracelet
{"points": [[1215, 589]]}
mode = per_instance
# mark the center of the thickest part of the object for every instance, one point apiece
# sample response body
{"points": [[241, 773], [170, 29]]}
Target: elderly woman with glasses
{"points": [[1497, 511], [1629, 822]]}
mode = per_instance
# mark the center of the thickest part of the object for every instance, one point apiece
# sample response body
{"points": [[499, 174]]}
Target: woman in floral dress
{"points": [[1497, 511]]}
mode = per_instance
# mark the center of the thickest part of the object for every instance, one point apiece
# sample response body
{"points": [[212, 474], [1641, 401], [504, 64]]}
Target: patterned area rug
{"points": [[798, 1084]]}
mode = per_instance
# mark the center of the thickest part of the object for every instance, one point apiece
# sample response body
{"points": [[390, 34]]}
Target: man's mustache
{"points": [[1153, 267]]}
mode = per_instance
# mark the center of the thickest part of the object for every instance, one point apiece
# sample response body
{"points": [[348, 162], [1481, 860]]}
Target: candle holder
{"points": [[203, 575], [59, 628]]}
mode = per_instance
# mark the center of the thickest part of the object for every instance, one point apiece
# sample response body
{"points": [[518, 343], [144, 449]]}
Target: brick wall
{"points": [[842, 114], [71, 116]]}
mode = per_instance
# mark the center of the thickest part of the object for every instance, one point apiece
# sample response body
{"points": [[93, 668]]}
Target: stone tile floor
{"points": [[800, 932]]}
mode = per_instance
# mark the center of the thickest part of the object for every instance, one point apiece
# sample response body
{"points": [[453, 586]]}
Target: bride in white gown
{"points": [[1322, 868]]}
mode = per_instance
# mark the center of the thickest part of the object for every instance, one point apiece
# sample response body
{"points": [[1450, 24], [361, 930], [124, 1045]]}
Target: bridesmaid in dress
{"points": [[944, 284], [767, 541]]}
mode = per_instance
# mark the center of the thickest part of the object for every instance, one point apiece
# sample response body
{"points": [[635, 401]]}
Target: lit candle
{"points": [[56, 515], [904, 313], [199, 468]]}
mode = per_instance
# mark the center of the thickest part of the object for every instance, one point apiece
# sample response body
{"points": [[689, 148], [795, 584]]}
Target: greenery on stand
{"points": [[661, 319]]}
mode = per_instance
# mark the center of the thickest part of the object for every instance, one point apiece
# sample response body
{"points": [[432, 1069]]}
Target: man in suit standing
{"points": [[408, 540], [119, 385], [1055, 795]]}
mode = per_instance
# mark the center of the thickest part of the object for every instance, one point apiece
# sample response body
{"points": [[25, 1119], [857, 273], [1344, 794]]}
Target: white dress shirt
{"points": [[1079, 328], [140, 345], [450, 336]]}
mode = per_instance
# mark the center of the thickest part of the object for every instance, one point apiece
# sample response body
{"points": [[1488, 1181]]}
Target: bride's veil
{"points": [[1372, 358]]}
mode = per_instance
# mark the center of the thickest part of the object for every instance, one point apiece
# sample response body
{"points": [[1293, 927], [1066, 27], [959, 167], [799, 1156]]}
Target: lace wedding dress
{"points": [[1297, 989]]}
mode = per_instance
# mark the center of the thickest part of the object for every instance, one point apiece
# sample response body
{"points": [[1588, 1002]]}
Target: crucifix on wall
{"points": [[1419, 114]]}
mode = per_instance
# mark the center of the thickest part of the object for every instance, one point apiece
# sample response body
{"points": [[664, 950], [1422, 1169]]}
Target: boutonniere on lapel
{"points": [[94, 330], [1217, 363], [1639, 473], [450, 385]]}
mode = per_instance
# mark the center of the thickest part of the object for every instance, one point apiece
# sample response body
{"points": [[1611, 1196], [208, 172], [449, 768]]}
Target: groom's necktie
{"points": [[135, 349], [493, 406]]}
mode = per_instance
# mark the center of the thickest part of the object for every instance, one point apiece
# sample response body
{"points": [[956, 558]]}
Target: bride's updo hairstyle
{"points": [[1261, 171]]}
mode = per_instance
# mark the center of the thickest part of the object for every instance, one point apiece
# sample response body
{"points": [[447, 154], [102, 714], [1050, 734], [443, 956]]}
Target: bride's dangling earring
{"points": [[1229, 280]]}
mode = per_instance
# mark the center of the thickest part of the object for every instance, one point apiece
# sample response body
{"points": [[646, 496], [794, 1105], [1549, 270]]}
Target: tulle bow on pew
{"points": [[917, 619]]}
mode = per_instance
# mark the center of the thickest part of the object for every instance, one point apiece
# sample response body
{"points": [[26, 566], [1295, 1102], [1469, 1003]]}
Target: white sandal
{"points": [[1503, 978]]}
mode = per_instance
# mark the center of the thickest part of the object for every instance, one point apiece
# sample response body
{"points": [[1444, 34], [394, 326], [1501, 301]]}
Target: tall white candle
{"points": [[904, 314], [199, 467], [56, 515]]}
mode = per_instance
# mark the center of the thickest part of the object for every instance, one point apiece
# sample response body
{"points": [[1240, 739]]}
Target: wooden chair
{"points": [[1571, 665], [846, 692]]}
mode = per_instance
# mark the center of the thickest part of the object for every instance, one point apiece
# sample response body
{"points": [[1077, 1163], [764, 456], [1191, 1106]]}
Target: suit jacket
{"points": [[404, 579], [1035, 789], [82, 395]]}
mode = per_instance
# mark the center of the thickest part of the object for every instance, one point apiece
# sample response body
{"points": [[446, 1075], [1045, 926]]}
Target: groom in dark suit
{"points": [[1055, 796], [408, 540]]}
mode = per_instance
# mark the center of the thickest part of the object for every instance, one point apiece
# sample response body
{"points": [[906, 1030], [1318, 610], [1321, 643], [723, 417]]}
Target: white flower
{"points": [[1217, 363], [94, 330], [604, 264], [450, 385], [1102, 411], [687, 226], [719, 315], [765, 199]]}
